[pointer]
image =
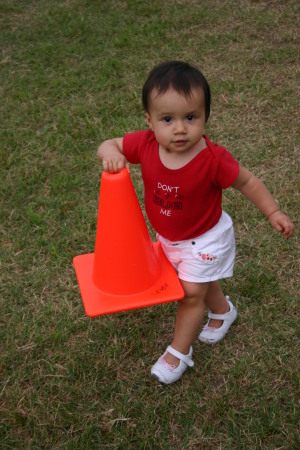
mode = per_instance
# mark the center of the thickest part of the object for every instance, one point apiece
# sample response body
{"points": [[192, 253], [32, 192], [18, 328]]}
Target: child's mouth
{"points": [[179, 143]]}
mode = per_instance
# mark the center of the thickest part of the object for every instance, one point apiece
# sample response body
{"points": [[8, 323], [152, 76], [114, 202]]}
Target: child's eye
{"points": [[190, 117], [167, 119]]}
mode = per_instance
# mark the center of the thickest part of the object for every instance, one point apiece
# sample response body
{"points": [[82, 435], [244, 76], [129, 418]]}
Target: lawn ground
{"points": [[71, 74]]}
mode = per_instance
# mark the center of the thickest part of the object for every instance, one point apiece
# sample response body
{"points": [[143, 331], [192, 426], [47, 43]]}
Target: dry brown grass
{"points": [[71, 76]]}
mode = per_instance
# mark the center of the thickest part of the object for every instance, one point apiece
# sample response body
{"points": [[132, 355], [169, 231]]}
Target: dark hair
{"points": [[179, 76]]}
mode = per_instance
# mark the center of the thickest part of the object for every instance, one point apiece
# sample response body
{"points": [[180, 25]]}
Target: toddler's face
{"points": [[177, 121]]}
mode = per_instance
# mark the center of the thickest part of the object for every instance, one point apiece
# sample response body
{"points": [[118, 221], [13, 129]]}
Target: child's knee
{"points": [[194, 295], [192, 302], [194, 292]]}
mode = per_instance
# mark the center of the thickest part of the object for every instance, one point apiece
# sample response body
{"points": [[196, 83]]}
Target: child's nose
{"points": [[179, 126]]}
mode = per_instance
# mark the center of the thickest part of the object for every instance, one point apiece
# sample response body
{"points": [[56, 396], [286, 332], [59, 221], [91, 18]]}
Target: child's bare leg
{"points": [[189, 317], [216, 302]]}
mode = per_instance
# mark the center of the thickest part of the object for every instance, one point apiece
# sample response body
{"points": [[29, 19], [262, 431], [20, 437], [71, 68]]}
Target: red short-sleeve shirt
{"points": [[183, 203]]}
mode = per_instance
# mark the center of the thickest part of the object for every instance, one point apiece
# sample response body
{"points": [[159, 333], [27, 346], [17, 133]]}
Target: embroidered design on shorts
{"points": [[207, 256]]}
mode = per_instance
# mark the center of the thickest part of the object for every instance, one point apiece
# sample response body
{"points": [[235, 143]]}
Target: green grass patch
{"points": [[71, 76]]}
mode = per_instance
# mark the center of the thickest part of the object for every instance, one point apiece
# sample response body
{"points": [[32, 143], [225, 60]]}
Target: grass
{"points": [[71, 76]]}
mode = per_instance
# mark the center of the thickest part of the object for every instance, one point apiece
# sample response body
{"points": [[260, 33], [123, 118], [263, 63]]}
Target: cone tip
{"points": [[116, 176]]}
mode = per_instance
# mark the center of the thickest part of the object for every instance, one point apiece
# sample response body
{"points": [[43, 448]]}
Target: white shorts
{"points": [[208, 257]]}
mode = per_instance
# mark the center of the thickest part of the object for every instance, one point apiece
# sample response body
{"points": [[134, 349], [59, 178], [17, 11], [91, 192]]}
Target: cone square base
{"points": [[97, 302]]}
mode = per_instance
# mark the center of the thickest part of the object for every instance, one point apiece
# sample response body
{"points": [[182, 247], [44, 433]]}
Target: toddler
{"points": [[184, 174]]}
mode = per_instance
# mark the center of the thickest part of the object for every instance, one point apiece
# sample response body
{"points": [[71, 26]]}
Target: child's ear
{"points": [[148, 121]]}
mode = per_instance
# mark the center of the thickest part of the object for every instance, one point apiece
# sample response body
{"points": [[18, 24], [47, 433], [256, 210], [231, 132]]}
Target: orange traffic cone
{"points": [[127, 270]]}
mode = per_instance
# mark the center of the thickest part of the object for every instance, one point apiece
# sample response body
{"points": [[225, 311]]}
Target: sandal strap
{"points": [[185, 358], [217, 316], [221, 316]]}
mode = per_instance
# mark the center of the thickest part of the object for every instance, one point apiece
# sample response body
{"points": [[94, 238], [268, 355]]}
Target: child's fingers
{"points": [[278, 227], [122, 164], [127, 165], [288, 228], [288, 231], [105, 165], [282, 224], [113, 165]]}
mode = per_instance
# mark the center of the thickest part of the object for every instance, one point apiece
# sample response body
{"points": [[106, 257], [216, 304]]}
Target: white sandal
{"points": [[167, 374], [210, 335]]}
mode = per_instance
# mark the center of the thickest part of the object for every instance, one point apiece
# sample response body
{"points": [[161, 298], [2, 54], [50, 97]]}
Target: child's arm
{"points": [[110, 153], [255, 191]]}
